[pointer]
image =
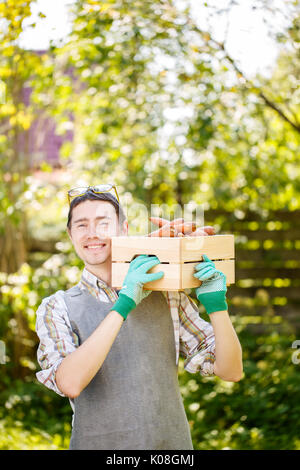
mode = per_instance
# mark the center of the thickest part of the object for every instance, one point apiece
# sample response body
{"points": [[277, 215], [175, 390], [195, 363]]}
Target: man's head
{"points": [[92, 220]]}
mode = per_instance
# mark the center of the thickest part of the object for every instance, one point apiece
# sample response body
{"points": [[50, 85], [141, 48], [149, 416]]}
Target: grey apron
{"points": [[134, 400]]}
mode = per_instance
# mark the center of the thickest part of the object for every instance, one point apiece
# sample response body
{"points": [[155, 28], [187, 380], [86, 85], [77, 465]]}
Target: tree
{"points": [[16, 67], [269, 96], [157, 109], [134, 62]]}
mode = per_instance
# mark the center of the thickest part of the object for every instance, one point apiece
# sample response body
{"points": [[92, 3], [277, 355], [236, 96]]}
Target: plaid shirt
{"points": [[194, 337]]}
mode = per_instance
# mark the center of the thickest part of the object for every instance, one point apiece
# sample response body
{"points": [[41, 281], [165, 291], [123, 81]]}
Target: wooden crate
{"points": [[178, 258]]}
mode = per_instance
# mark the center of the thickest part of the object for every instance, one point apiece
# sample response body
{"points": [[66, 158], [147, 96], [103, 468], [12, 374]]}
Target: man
{"points": [[115, 354]]}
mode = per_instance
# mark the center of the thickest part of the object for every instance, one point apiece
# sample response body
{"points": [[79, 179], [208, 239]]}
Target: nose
{"points": [[92, 232]]}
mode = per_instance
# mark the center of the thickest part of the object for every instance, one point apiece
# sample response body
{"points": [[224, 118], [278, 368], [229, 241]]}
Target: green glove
{"points": [[132, 292], [212, 292]]}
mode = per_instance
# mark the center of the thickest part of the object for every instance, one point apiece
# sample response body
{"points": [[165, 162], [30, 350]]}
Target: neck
{"points": [[101, 271]]}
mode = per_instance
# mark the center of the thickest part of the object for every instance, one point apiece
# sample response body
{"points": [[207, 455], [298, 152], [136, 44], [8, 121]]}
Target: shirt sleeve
{"points": [[57, 339], [197, 339]]}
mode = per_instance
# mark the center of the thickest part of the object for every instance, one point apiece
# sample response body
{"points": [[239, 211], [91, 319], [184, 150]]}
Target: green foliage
{"points": [[159, 107], [17, 68], [33, 418], [259, 412], [20, 295]]}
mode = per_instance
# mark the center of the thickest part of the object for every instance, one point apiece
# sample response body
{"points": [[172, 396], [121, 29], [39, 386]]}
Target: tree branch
{"points": [[279, 111], [247, 81]]}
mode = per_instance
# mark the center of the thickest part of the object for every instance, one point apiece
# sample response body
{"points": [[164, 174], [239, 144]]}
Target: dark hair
{"points": [[91, 196]]}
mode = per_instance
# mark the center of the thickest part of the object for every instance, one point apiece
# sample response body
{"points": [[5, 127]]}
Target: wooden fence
{"points": [[267, 287]]}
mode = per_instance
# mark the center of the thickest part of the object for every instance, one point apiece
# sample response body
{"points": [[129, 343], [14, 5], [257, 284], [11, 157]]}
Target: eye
{"points": [[103, 224]]}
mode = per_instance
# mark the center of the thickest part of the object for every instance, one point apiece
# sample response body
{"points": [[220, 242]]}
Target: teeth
{"points": [[95, 246]]}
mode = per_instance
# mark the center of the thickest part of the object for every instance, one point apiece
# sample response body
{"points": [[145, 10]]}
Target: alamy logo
{"points": [[296, 354]]}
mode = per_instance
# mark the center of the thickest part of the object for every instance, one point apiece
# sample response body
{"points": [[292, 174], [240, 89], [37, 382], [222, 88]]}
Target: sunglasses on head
{"points": [[99, 188]]}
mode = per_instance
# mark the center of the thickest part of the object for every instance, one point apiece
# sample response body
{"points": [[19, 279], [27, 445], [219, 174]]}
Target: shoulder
{"points": [[54, 302], [58, 298]]}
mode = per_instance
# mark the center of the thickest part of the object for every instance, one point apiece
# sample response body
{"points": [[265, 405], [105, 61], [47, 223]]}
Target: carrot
{"points": [[176, 222], [160, 221], [203, 231], [165, 231], [198, 233], [186, 227], [209, 229]]}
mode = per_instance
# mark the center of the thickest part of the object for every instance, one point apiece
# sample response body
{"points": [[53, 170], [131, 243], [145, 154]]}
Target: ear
{"points": [[124, 229]]}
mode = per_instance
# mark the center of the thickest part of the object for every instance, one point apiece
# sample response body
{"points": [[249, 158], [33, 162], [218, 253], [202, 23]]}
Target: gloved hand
{"points": [[212, 292], [132, 292]]}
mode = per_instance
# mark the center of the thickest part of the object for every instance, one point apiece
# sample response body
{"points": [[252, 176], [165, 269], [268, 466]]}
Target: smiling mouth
{"points": [[95, 247]]}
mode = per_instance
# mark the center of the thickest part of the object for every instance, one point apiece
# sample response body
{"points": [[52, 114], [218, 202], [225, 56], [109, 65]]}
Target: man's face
{"points": [[93, 224]]}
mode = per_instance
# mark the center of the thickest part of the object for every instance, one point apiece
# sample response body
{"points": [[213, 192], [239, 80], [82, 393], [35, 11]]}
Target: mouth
{"points": [[95, 247]]}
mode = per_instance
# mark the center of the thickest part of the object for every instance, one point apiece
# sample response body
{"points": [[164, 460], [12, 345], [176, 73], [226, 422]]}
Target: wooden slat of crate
{"points": [[188, 269], [173, 250], [176, 276], [170, 281], [165, 248], [216, 247]]}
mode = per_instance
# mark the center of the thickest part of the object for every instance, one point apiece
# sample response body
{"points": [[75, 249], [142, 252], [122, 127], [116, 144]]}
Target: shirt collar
{"points": [[93, 281]]}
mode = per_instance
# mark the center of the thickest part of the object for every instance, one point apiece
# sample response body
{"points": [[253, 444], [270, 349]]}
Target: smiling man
{"points": [[115, 353], [90, 226]]}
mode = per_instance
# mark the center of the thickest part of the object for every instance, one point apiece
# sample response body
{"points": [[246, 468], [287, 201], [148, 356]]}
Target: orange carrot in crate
{"points": [[203, 231], [165, 231], [160, 221], [186, 227], [179, 225]]}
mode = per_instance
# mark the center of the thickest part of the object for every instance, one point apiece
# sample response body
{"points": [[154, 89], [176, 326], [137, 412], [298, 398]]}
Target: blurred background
{"points": [[174, 101]]}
